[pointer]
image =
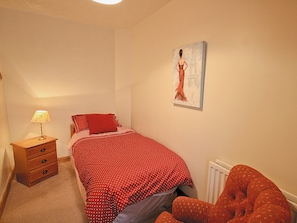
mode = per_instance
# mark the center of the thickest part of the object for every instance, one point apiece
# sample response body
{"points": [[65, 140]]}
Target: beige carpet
{"points": [[54, 200]]}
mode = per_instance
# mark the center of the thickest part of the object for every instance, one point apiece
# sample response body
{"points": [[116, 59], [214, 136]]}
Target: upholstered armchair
{"points": [[248, 196]]}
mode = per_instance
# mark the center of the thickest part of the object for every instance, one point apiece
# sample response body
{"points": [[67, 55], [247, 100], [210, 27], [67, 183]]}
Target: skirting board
{"points": [[6, 191], [63, 159]]}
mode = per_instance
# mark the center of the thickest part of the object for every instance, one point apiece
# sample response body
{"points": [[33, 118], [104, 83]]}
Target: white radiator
{"points": [[217, 176]]}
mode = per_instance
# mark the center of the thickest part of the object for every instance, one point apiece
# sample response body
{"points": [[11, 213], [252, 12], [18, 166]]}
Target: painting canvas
{"points": [[188, 75]]}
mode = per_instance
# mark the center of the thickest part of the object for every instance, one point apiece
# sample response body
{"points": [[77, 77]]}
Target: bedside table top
{"points": [[28, 143]]}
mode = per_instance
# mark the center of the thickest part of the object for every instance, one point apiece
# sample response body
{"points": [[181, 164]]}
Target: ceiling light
{"points": [[108, 2]]}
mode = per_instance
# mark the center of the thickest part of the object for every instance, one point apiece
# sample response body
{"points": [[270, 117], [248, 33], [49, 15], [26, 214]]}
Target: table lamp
{"points": [[41, 116]]}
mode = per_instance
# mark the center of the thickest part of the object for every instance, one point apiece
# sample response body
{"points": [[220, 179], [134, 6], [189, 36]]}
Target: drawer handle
{"points": [[44, 161], [42, 150], [45, 171]]}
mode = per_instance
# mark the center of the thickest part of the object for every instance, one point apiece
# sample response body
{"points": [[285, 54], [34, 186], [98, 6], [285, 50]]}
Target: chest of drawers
{"points": [[35, 160]]}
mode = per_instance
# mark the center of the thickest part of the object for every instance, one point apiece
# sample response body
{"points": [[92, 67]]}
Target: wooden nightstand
{"points": [[35, 160]]}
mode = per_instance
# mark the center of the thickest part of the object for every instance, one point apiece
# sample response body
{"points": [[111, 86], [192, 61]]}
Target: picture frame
{"points": [[188, 74]]}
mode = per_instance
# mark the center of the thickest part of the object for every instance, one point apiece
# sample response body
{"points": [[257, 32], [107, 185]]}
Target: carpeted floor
{"points": [[54, 200]]}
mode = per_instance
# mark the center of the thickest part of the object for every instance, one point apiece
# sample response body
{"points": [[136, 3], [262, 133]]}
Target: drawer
{"points": [[44, 172], [41, 150], [42, 161]]}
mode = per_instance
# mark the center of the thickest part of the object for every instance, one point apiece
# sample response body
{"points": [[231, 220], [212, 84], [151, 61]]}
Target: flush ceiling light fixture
{"points": [[108, 2]]}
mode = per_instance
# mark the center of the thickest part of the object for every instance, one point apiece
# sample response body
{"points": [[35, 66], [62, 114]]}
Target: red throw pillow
{"points": [[116, 122], [80, 122], [100, 123]]}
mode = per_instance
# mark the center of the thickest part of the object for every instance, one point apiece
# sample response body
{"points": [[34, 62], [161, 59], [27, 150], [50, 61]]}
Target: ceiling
{"points": [[123, 15]]}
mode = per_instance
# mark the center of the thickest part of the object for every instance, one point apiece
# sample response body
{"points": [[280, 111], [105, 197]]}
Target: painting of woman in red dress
{"points": [[188, 75], [181, 67]]}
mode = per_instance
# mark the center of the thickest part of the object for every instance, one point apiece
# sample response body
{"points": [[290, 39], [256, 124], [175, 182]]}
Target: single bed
{"points": [[123, 176]]}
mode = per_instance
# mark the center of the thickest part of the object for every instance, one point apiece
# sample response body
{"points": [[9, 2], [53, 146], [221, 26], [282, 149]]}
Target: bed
{"points": [[123, 176]]}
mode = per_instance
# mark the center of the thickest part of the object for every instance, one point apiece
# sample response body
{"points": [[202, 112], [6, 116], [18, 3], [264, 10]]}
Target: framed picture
{"points": [[188, 75]]}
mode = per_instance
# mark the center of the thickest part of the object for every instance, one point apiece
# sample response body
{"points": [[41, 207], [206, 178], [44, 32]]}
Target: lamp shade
{"points": [[41, 116]]}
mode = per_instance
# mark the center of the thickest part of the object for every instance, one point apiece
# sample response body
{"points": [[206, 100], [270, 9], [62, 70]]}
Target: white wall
{"points": [[250, 106], [6, 154], [250, 87], [57, 65], [122, 76]]}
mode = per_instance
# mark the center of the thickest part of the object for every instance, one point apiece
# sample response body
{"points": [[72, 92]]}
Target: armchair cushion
{"points": [[248, 196], [246, 190]]}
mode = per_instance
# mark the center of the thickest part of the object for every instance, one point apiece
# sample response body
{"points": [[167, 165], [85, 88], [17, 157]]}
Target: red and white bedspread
{"points": [[123, 168]]}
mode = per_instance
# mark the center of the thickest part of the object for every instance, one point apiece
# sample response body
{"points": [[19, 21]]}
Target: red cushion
{"points": [[100, 123], [81, 122]]}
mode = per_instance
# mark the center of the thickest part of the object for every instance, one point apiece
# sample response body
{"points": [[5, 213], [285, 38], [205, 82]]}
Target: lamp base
{"points": [[43, 137]]}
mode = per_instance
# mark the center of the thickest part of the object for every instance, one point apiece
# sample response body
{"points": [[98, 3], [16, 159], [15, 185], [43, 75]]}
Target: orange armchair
{"points": [[248, 196]]}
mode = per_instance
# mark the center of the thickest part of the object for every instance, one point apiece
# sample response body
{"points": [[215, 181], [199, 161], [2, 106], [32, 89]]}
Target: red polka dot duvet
{"points": [[123, 168]]}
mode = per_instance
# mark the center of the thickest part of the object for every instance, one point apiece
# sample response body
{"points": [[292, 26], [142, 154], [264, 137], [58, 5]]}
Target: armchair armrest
{"points": [[188, 209], [166, 217]]}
